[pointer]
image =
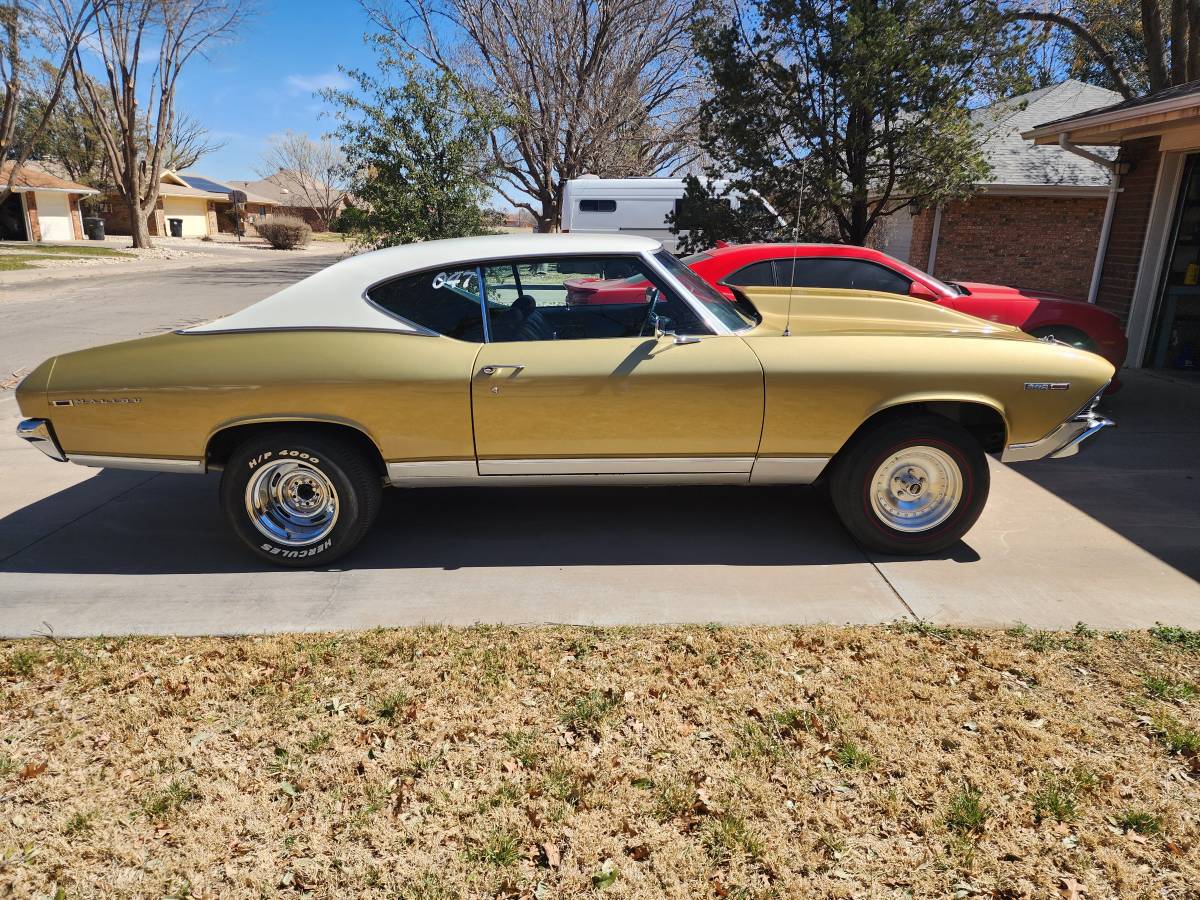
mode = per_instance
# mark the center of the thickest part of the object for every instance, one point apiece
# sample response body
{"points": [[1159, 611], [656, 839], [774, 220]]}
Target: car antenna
{"points": [[787, 326]]}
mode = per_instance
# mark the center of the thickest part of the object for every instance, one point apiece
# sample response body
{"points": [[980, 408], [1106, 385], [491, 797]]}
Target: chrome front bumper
{"points": [[39, 433], [1062, 442]]}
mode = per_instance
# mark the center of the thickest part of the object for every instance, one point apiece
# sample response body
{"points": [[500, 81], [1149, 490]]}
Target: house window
{"points": [[604, 206]]}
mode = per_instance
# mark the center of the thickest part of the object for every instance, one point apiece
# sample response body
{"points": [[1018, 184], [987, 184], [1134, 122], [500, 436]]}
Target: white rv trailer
{"points": [[640, 206]]}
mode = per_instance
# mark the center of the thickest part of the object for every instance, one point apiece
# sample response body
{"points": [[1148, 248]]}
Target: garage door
{"points": [[898, 242], [54, 216], [193, 211]]}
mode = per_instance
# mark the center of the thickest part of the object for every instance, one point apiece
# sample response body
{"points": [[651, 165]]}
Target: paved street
{"points": [[1109, 538]]}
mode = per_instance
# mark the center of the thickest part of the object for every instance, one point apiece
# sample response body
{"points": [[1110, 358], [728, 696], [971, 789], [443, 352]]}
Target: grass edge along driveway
{"points": [[899, 761]]}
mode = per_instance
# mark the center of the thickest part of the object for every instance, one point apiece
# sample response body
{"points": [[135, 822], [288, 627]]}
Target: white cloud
{"points": [[310, 84]]}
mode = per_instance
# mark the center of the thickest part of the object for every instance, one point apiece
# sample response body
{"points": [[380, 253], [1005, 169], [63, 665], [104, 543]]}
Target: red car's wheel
{"points": [[1066, 335]]}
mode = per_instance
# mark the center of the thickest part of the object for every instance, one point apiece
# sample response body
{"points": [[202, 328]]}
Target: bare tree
{"points": [[190, 143], [56, 27], [137, 125], [608, 87], [1135, 45], [312, 172]]}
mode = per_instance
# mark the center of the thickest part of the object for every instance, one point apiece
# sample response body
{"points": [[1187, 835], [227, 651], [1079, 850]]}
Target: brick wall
{"points": [[1129, 225], [116, 219], [1038, 243], [35, 225], [76, 216]]}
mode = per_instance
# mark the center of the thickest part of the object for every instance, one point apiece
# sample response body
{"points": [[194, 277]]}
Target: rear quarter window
{"points": [[445, 301]]}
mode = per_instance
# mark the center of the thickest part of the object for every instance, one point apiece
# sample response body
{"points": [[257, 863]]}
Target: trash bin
{"points": [[176, 227], [93, 227]]}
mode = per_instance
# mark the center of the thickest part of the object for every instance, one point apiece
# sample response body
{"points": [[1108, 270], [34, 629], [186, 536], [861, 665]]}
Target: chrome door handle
{"points": [[495, 367]]}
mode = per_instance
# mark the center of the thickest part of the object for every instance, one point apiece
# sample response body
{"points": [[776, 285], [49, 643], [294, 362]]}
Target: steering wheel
{"points": [[647, 329]]}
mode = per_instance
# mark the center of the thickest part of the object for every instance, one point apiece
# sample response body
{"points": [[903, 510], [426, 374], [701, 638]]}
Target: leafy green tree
{"points": [[850, 110], [707, 215], [418, 160]]}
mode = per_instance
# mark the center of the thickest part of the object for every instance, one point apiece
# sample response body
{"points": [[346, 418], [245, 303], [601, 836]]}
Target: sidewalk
{"points": [[167, 254]]}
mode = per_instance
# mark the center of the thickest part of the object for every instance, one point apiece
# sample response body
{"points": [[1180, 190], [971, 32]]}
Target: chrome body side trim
{"points": [[432, 473], [141, 463], [39, 433], [525, 472], [788, 469], [739, 465]]}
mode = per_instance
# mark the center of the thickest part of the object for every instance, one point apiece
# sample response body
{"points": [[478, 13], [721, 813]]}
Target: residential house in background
{"points": [[201, 204], [42, 206], [1149, 270], [1036, 221], [295, 196]]}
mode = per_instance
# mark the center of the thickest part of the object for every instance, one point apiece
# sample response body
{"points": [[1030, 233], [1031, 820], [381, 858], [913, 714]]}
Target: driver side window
{"points": [[579, 298]]}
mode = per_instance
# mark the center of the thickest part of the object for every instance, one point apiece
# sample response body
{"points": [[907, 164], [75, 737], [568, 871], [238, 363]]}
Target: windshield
{"points": [[713, 301]]}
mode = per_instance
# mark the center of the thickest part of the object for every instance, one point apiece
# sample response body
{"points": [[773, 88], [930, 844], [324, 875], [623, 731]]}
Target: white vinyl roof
{"points": [[333, 297]]}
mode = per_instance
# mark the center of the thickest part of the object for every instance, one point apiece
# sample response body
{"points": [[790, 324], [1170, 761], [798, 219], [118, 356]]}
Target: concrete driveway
{"points": [[1111, 538]]}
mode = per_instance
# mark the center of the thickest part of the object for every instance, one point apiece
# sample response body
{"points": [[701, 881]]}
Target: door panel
{"points": [[630, 399]]}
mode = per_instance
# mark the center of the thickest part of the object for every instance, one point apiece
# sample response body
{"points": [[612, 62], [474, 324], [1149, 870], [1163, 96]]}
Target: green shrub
{"points": [[285, 232]]}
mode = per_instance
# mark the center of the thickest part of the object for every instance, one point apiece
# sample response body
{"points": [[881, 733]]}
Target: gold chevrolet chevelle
{"points": [[487, 361]]}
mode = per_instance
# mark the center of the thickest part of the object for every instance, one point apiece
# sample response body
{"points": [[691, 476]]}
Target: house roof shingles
{"points": [[32, 177], [1175, 92], [1016, 161]]}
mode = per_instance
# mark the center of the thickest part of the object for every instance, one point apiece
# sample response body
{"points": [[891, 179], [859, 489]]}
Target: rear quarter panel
{"points": [[165, 396], [821, 387]]}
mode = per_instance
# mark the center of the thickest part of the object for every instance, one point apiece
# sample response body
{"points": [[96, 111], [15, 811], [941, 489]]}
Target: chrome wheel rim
{"points": [[292, 502], [916, 489]]}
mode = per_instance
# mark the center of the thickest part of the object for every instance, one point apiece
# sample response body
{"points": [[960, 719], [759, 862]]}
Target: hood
{"points": [[837, 311], [983, 290]]}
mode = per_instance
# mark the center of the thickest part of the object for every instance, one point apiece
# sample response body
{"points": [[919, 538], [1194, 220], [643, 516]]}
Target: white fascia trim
{"points": [[42, 190], [1171, 104], [1044, 190]]}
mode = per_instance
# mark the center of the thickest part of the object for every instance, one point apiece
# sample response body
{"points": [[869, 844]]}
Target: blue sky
{"points": [[263, 83]]}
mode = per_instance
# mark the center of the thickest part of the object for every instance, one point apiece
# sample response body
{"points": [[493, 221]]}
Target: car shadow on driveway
{"points": [[128, 523]]}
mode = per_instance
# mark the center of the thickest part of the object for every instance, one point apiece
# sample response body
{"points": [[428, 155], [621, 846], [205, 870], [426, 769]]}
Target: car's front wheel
{"points": [[299, 500], [910, 486]]}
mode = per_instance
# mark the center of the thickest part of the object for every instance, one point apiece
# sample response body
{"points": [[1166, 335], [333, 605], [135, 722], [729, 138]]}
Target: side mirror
{"points": [[921, 292], [663, 328]]}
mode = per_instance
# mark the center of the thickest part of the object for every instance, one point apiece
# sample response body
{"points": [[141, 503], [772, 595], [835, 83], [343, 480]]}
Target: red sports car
{"points": [[1041, 314]]}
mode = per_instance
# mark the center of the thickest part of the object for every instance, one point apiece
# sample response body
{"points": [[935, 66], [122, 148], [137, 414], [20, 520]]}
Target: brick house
{"points": [[1149, 267], [42, 206], [1000, 234], [201, 205], [290, 195]]}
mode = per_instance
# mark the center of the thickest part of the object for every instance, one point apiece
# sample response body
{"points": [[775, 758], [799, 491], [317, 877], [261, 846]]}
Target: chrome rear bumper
{"points": [[1062, 442], [39, 433]]}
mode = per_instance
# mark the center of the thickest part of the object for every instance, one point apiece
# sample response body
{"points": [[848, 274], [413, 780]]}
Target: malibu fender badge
{"points": [[1047, 385]]}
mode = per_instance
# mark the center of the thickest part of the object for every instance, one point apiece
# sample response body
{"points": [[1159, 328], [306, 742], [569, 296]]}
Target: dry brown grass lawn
{"points": [[563, 762]]}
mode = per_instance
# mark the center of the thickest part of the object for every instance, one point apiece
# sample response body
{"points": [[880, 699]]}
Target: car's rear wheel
{"points": [[910, 486], [299, 500], [1066, 335]]}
